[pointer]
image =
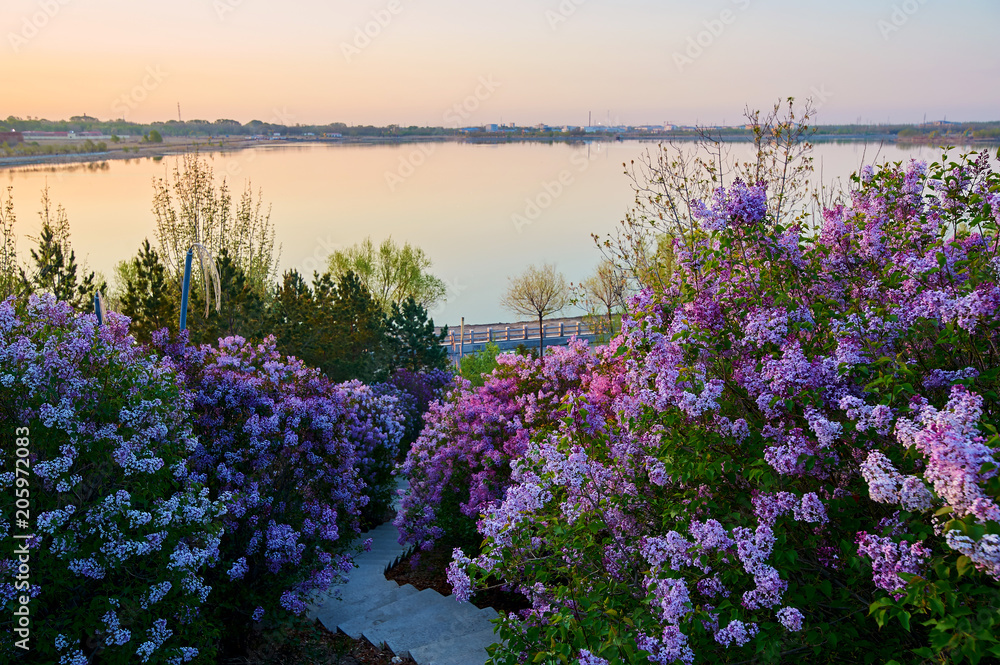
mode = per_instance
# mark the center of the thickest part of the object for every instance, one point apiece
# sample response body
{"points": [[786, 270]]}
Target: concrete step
{"points": [[468, 649], [414, 604], [357, 601], [441, 621]]}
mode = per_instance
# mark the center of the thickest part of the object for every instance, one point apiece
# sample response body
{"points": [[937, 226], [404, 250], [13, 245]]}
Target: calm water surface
{"points": [[466, 205]]}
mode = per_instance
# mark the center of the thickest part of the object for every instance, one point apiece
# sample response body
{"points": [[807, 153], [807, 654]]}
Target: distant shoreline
{"points": [[173, 146]]}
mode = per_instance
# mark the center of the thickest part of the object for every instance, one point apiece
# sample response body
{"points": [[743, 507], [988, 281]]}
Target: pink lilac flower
{"points": [[955, 452]]}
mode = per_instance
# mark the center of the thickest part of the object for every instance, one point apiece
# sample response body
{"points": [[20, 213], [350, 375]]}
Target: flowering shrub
{"points": [[461, 461], [295, 460], [804, 435], [123, 530], [416, 391]]}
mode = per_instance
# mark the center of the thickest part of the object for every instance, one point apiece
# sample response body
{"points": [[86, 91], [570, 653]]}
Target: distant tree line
{"points": [[221, 127], [228, 127]]}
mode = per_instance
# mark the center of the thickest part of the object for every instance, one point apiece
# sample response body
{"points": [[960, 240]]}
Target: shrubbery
{"points": [[180, 495], [804, 436], [461, 461], [125, 532]]}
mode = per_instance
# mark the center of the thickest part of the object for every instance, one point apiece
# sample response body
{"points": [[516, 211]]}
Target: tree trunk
{"points": [[541, 337], [611, 325]]}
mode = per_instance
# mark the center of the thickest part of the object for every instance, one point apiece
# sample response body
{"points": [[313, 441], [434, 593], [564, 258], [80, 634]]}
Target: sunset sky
{"points": [[462, 62]]}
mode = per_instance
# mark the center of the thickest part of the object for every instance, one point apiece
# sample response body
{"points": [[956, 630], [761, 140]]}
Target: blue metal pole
{"points": [[187, 287], [97, 309]]}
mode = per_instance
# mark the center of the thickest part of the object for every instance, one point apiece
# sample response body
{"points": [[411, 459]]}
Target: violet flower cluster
{"points": [[725, 475]]}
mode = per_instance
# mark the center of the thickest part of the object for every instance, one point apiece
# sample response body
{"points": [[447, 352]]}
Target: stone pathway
{"points": [[430, 628]]}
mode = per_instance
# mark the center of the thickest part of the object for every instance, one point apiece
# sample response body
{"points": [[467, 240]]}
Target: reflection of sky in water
{"points": [[459, 202]]}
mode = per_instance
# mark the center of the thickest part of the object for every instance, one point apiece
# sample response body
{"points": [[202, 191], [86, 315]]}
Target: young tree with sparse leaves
{"points": [[537, 292]]}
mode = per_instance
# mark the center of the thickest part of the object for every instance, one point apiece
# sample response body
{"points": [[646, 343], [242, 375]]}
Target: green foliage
{"points": [[413, 343], [55, 268], [358, 330], [476, 366], [334, 326], [147, 297], [154, 137], [241, 311], [391, 273]]}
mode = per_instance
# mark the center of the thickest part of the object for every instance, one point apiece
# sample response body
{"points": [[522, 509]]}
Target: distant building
{"points": [[11, 138]]}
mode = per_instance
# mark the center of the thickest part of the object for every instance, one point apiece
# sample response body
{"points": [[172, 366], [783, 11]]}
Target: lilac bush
{"points": [[461, 461], [804, 435], [124, 530], [295, 460]]}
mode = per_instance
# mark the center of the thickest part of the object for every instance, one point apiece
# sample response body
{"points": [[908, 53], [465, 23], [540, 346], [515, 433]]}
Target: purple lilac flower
{"points": [[790, 618]]}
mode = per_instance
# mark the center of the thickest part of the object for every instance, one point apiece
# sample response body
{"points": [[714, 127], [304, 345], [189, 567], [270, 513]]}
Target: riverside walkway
{"points": [[472, 338]]}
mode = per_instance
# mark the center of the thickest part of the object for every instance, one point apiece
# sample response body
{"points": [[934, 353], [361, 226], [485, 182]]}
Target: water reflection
{"points": [[482, 212]]}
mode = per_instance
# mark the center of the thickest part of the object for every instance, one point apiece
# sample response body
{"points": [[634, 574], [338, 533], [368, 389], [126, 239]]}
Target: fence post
{"points": [[506, 334], [561, 329], [461, 352]]}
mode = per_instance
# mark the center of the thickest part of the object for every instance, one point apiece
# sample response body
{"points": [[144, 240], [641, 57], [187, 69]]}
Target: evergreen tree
{"points": [[358, 341], [295, 320], [413, 343], [55, 268], [148, 298]]}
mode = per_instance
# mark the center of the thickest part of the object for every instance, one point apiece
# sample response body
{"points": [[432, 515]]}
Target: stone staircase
{"points": [[430, 628]]}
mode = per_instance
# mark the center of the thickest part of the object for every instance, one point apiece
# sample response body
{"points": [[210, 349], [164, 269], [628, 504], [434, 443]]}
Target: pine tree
{"points": [[148, 298], [414, 344], [358, 342], [55, 268], [294, 319]]}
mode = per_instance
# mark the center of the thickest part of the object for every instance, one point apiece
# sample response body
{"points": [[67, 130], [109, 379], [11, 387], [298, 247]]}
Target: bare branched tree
{"points": [[604, 294], [191, 210], [670, 180], [9, 274], [537, 292]]}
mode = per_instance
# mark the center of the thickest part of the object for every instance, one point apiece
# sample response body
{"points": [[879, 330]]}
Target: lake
{"points": [[481, 212]]}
